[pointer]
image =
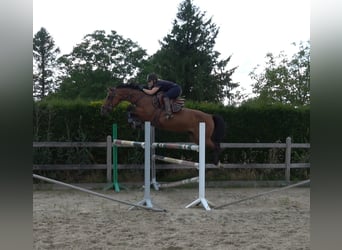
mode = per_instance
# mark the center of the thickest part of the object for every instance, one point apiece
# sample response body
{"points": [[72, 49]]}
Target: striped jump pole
{"points": [[178, 183], [123, 143], [176, 161], [189, 146], [183, 146]]}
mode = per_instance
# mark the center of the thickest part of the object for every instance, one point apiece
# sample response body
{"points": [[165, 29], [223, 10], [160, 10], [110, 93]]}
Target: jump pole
{"points": [[96, 194], [264, 193], [178, 183], [201, 190]]}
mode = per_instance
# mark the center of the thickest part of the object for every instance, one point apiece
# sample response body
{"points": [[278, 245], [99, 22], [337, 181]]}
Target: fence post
{"points": [[109, 158], [288, 159]]}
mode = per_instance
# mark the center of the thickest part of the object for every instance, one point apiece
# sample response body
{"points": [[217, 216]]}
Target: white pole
{"points": [[201, 190], [94, 193], [147, 164], [147, 198], [202, 161]]}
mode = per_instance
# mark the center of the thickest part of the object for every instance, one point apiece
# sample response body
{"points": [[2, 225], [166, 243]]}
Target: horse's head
{"points": [[124, 92], [111, 101]]}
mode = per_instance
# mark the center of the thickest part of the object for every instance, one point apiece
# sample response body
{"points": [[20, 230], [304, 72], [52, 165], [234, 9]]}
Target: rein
{"points": [[129, 97]]}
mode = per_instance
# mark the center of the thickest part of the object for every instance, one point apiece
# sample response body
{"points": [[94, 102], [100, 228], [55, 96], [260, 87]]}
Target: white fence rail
{"points": [[287, 165]]}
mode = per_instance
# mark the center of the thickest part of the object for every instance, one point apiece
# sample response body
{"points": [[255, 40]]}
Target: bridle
{"points": [[109, 105], [131, 98], [128, 97]]}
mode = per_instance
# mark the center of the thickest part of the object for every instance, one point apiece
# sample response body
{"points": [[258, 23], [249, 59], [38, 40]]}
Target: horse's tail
{"points": [[219, 130]]}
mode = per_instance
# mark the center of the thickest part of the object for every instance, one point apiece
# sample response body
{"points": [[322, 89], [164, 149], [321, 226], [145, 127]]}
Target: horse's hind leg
{"points": [[216, 154], [215, 149], [191, 137], [194, 135]]}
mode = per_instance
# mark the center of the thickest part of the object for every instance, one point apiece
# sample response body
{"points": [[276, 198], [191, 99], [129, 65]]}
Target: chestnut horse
{"points": [[185, 120]]}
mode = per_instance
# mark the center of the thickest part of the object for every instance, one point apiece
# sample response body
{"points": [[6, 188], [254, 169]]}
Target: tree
{"points": [[44, 64], [98, 62], [284, 80], [187, 56]]}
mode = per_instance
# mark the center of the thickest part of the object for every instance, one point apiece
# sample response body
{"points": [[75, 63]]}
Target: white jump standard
{"points": [[146, 145], [200, 165], [201, 192], [147, 169]]}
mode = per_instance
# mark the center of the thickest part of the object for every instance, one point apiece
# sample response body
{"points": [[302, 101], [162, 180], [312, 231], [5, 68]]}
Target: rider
{"points": [[171, 90]]}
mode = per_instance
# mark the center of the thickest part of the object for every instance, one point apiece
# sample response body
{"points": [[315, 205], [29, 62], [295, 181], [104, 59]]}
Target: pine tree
{"points": [[44, 64], [187, 56]]}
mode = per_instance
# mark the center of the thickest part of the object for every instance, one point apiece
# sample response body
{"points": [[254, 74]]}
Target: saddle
{"points": [[176, 104], [158, 103]]}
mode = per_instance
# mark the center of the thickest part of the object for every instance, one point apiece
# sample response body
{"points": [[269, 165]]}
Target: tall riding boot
{"points": [[167, 107]]}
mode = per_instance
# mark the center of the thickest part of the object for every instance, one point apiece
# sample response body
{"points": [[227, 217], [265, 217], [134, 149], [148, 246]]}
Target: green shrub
{"points": [[60, 120]]}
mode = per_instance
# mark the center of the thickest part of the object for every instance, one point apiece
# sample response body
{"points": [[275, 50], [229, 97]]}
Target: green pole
{"points": [[115, 159]]}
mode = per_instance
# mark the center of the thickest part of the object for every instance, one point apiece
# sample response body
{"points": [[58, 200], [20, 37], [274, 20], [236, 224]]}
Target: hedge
{"points": [[60, 120]]}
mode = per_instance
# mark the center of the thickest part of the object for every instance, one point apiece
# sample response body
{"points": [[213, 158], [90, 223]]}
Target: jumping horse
{"points": [[185, 120]]}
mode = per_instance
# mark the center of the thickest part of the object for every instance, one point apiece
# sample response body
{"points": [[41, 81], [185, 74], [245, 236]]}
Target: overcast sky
{"points": [[248, 28]]}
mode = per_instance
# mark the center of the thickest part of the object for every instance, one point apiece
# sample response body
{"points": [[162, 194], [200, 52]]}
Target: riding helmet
{"points": [[152, 77]]}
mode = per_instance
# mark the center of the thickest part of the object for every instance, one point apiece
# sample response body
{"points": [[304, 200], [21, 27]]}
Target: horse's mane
{"points": [[129, 86]]}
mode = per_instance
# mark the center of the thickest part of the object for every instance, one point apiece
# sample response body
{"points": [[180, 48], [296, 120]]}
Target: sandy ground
{"points": [[70, 219]]}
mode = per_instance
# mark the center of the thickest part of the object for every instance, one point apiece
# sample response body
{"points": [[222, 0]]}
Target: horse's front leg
{"points": [[133, 119]]}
